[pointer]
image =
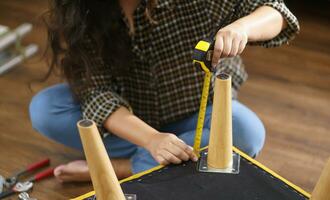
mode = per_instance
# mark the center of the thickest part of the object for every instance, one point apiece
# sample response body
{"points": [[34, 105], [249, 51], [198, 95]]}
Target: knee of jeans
{"points": [[40, 114], [248, 129], [142, 160], [254, 145]]}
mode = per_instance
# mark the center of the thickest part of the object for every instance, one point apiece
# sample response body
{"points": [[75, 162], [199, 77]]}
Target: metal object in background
{"points": [[25, 196], [27, 185], [12, 52], [2, 183], [23, 186], [11, 36], [19, 187], [11, 181]]}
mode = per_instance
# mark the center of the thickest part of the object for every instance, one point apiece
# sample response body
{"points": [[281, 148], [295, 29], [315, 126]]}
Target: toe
{"points": [[58, 170], [73, 171]]}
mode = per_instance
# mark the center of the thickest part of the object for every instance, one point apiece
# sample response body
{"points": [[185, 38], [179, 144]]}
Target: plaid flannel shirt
{"points": [[163, 85]]}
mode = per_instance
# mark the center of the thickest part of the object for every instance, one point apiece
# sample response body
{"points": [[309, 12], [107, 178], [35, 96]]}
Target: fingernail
{"points": [[214, 65], [195, 159]]}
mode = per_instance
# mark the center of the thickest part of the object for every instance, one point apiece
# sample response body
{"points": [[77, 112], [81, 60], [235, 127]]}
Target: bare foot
{"points": [[73, 171], [77, 171]]}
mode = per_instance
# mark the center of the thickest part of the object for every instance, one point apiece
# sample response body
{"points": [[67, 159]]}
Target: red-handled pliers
{"points": [[11, 181], [27, 185]]}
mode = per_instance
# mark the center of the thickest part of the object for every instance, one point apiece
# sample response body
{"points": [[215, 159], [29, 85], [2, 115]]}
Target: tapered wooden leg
{"points": [[322, 188], [104, 179], [220, 153]]}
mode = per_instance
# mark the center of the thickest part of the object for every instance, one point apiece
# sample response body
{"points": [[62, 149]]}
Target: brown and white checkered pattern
{"points": [[163, 85]]}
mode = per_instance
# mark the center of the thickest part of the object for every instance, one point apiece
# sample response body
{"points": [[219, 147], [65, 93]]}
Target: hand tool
{"points": [[202, 45], [25, 196], [11, 181], [202, 56], [27, 185]]}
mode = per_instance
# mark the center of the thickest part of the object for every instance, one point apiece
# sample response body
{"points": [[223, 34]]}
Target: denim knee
{"points": [[252, 138], [248, 130], [55, 113], [39, 112], [142, 160], [254, 148]]}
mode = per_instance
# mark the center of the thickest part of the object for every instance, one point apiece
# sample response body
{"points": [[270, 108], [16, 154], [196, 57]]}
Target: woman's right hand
{"points": [[167, 148]]}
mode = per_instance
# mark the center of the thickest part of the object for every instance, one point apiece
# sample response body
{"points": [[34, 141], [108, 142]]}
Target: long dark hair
{"points": [[71, 23]]}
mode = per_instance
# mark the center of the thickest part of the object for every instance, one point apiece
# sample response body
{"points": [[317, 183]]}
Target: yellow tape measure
{"points": [[202, 56]]}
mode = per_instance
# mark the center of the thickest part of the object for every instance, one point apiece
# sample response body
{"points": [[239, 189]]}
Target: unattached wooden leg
{"points": [[103, 176], [322, 188]]}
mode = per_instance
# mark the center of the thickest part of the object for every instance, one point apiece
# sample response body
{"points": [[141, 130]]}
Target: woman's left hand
{"points": [[230, 41]]}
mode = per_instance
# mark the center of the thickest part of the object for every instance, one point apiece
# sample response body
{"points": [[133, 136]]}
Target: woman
{"points": [[128, 67]]}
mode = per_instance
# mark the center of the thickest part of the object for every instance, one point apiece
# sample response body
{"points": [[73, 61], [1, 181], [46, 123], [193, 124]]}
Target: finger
{"points": [[170, 157], [242, 46], [227, 43], [188, 149], [161, 160], [218, 47], [179, 152], [234, 47], [192, 154]]}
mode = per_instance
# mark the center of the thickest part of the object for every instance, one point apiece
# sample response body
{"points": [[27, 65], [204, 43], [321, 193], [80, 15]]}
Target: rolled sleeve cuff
{"points": [[285, 35], [100, 105]]}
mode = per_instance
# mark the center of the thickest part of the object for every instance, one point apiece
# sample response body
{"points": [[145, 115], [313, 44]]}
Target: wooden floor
{"points": [[288, 87]]}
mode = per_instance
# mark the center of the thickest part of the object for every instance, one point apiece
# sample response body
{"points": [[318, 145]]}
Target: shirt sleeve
{"points": [[100, 97], [221, 8]]}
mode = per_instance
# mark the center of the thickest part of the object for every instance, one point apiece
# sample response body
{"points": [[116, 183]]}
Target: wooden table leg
{"points": [[220, 154], [322, 188], [103, 176]]}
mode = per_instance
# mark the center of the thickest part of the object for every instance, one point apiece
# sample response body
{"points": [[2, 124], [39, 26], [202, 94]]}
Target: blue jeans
{"points": [[54, 113]]}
